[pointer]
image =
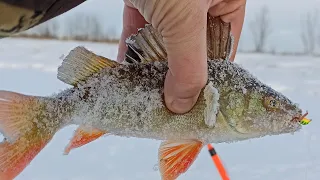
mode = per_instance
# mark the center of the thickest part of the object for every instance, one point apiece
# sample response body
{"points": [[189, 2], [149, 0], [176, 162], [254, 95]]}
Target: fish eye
{"points": [[271, 103]]}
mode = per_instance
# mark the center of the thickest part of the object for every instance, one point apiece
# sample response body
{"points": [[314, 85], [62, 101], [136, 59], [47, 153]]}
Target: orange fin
{"points": [[14, 108], [15, 157], [23, 138], [83, 135], [175, 157]]}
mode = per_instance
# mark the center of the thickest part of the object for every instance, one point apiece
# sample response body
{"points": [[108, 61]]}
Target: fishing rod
{"points": [[221, 169]]}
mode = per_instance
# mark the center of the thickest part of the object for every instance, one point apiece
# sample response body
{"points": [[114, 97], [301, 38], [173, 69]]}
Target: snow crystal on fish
{"points": [[128, 101]]}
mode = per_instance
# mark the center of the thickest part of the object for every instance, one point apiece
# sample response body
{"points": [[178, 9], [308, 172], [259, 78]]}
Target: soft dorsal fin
{"points": [[80, 64], [147, 45]]}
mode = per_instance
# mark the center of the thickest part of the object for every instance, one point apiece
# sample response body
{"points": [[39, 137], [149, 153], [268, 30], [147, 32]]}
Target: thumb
{"points": [[183, 25], [187, 61]]}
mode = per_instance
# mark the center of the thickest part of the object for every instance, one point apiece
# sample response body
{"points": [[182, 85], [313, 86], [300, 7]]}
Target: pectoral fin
{"points": [[211, 95], [175, 157], [83, 135]]}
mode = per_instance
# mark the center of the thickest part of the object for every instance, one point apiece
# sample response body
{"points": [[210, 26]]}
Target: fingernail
{"points": [[183, 105]]}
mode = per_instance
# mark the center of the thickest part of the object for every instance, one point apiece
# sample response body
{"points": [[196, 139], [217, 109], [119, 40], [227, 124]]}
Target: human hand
{"points": [[182, 23]]}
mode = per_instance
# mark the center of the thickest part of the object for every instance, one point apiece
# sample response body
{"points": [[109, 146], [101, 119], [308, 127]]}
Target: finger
{"points": [[236, 29], [132, 21], [128, 3], [182, 24], [233, 15], [226, 7], [186, 48]]}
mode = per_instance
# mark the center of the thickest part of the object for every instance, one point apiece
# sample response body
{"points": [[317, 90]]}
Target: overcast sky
{"points": [[285, 17]]}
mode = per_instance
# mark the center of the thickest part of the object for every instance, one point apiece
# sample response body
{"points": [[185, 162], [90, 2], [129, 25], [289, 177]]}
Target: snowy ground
{"points": [[29, 66]]}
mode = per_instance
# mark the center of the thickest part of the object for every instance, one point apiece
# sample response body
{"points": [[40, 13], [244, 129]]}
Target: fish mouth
{"points": [[301, 117]]}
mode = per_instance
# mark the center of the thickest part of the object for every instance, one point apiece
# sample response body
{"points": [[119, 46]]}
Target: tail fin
{"points": [[14, 111], [24, 132]]}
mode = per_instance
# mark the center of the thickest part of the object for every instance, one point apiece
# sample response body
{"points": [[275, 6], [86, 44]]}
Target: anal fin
{"points": [[82, 136], [175, 157]]}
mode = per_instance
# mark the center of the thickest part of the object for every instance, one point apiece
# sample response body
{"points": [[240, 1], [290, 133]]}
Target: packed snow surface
{"points": [[30, 67]]}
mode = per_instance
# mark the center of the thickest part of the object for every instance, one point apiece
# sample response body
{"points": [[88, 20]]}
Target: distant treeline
{"points": [[80, 27], [85, 27], [261, 29]]}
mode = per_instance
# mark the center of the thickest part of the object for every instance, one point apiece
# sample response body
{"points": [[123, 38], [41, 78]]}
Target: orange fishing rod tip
{"points": [[215, 158], [211, 150]]}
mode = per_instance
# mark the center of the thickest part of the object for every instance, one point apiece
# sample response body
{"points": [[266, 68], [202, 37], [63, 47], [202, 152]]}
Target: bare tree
{"points": [[309, 31], [95, 32], [48, 29], [319, 34], [84, 27], [261, 29], [319, 39]]}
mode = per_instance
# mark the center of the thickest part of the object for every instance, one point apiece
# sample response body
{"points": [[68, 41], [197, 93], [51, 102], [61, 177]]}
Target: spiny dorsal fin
{"points": [[81, 64], [219, 39], [147, 45]]}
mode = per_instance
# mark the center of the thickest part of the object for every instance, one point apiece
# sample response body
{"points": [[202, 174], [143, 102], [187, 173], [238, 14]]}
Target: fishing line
{"points": [[309, 157]]}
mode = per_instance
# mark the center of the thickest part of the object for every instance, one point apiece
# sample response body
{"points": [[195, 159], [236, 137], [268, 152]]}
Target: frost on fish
{"points": [[211, 96], [127, 100]]}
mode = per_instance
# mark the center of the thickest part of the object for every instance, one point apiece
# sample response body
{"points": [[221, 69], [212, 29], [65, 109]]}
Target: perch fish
{"points": [[126, 99]]}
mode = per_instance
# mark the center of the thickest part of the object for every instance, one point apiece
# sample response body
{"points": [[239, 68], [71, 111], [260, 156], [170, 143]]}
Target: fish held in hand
{"points": [[126, 99]]}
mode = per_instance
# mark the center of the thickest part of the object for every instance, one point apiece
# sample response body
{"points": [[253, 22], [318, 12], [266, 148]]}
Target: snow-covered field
{"points": [[29, 66]]}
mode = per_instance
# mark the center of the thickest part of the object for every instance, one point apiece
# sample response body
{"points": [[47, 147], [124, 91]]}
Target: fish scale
{"points": [[126, 99]]}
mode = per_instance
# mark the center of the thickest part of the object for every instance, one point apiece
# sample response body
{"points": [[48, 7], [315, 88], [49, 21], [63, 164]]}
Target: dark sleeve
{"points": [[19, 15]]}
